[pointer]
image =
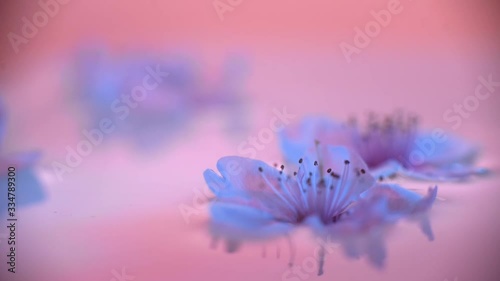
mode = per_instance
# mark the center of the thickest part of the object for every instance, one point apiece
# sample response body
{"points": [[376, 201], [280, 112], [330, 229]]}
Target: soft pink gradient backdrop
{"points": [[120, 208]]}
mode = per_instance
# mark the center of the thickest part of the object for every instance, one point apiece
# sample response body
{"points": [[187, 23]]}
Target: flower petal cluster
{"points": [[332, 192]]}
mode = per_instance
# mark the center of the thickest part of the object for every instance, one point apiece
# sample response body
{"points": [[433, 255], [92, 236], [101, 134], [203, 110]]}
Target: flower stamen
{"points": [[287, 203]]}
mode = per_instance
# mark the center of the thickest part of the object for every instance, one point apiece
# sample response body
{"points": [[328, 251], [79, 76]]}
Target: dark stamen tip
{"points": [[294, 173], [346, 162], [362, 171], [300, 161], [315, 163], [282, 167], [260, 169], [329, 170], [381, 178]]}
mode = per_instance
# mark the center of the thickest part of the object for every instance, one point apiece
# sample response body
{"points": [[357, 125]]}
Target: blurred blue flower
{"points": [[29, 189], [333, 193], [102, 81], [390, 146], [21, 160]]}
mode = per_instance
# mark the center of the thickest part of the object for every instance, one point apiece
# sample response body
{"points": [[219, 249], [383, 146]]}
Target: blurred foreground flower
{"points": [[152, 98], [23, 162], [390, 146], [333, 193]]}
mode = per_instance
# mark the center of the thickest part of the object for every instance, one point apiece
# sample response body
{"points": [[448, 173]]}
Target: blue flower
{"points": [[333, 193], [105, 84], [390, 146], [20, 160], [31, 190]]}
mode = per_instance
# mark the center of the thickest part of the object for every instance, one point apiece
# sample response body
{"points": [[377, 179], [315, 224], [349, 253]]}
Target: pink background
{"points": [[121, 208]]}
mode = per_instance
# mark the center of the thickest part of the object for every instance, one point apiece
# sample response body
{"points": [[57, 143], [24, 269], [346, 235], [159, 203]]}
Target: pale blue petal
{"points": [[216, 183], [401, 203], [233, 221]]}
